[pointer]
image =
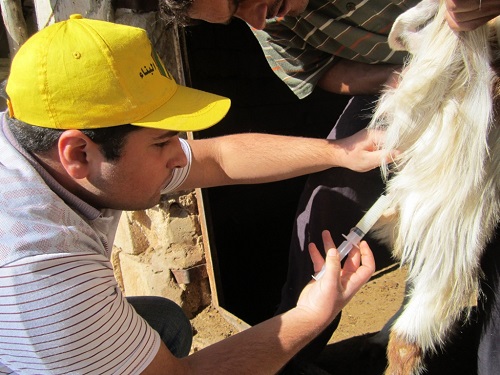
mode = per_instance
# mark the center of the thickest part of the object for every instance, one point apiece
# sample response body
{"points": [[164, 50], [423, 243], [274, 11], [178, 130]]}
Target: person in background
{"points": [[338, 46], [92, 128]]}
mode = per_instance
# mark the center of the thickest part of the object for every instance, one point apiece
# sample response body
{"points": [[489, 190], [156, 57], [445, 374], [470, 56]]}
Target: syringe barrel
{"points": [[355, 234], [352, 239]]}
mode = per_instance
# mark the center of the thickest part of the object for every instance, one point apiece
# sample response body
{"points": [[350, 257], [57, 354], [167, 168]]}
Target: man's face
{"points": [[136, 179], [254, 12]]}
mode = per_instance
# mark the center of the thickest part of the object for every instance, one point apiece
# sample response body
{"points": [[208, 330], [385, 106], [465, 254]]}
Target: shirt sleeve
{"points": [[64, 313], [297, 64], [180, 174]]}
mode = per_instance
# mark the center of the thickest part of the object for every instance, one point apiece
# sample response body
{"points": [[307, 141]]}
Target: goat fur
{"points": [[445, 184]]}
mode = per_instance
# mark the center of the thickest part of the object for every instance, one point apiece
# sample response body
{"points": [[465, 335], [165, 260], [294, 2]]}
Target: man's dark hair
{"points": [[176, 11], [37, 140]]}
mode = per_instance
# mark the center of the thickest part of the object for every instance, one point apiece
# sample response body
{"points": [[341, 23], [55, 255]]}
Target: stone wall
{"points": [[160, 252]]}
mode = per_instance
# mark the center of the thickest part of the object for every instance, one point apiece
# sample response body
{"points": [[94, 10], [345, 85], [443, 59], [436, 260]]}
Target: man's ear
{"points": [[76, 152]]}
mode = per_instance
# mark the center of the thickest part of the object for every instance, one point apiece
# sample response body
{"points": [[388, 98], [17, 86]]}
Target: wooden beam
{"points": [[15, 24]]}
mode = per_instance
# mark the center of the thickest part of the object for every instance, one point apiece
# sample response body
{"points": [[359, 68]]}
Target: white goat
{"points": [[445, 186]]}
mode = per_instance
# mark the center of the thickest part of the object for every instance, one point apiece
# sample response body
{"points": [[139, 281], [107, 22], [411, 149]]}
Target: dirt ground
{"points": [[365, 315], [352, 349]]}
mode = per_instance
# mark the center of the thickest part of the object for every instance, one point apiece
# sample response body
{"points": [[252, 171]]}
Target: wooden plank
{"points": [[236, 322], [210, 254]]}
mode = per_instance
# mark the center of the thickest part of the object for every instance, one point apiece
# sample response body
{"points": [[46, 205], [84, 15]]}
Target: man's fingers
{"points": [[467, 15], [358, 269], [316, 257], [330, 250], [367, 261], [327, 240]]}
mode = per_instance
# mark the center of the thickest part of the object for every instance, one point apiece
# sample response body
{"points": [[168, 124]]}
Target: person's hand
{"points": [[362, 151], [323, 299], [466, 15]]}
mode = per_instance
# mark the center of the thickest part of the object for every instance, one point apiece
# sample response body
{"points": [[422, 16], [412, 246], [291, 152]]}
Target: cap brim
{"points": [[187, 110]]}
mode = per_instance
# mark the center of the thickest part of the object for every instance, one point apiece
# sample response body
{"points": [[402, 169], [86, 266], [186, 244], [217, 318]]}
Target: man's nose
{"points": [[179, 160], [254, 14]]}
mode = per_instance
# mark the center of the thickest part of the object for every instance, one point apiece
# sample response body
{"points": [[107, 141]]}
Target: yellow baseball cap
{"points": [[86, 74]]}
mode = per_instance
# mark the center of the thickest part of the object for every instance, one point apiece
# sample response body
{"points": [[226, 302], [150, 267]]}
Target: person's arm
{"points": [[268, 346], [257, 158], [466, 15], [355, 78]]}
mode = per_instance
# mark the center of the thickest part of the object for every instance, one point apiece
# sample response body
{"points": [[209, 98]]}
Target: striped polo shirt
{"points": [[61, 310], [300, 49]]}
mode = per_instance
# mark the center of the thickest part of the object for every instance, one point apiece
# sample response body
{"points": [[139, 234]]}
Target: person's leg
{"points": [[168, 319], [334, 199]]}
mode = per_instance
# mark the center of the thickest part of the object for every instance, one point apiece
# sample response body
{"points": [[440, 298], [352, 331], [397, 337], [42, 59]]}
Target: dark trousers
{"points": [[489, 311], [168, 319]]}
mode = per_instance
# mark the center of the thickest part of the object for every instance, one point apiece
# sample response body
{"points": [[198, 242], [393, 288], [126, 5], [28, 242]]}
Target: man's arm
{"points": [[266, 347], [257, 158], [355, 78]]}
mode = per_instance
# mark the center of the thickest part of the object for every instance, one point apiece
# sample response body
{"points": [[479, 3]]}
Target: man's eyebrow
{"points": [[167, 134]]}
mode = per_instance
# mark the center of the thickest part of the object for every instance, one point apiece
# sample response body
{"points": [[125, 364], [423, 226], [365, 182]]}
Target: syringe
{"points": [[358, 232]]}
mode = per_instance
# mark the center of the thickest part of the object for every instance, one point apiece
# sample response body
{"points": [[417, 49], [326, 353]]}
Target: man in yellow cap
{"points": [[92, 129]]}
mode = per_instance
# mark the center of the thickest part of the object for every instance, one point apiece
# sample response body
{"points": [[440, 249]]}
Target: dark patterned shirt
{"points": [[300, 49]]}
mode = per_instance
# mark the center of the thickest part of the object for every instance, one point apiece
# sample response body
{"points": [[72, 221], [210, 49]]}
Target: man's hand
{"points": [[362, 151], [466, 15], [326, 297]]}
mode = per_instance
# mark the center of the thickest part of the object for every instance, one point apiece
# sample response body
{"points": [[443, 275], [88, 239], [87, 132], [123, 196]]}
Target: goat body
{"points": [[445, 185]]}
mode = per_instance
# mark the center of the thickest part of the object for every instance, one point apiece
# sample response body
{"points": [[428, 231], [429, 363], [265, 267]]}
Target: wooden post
{"points": [[15, 24], [48, 11]]}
